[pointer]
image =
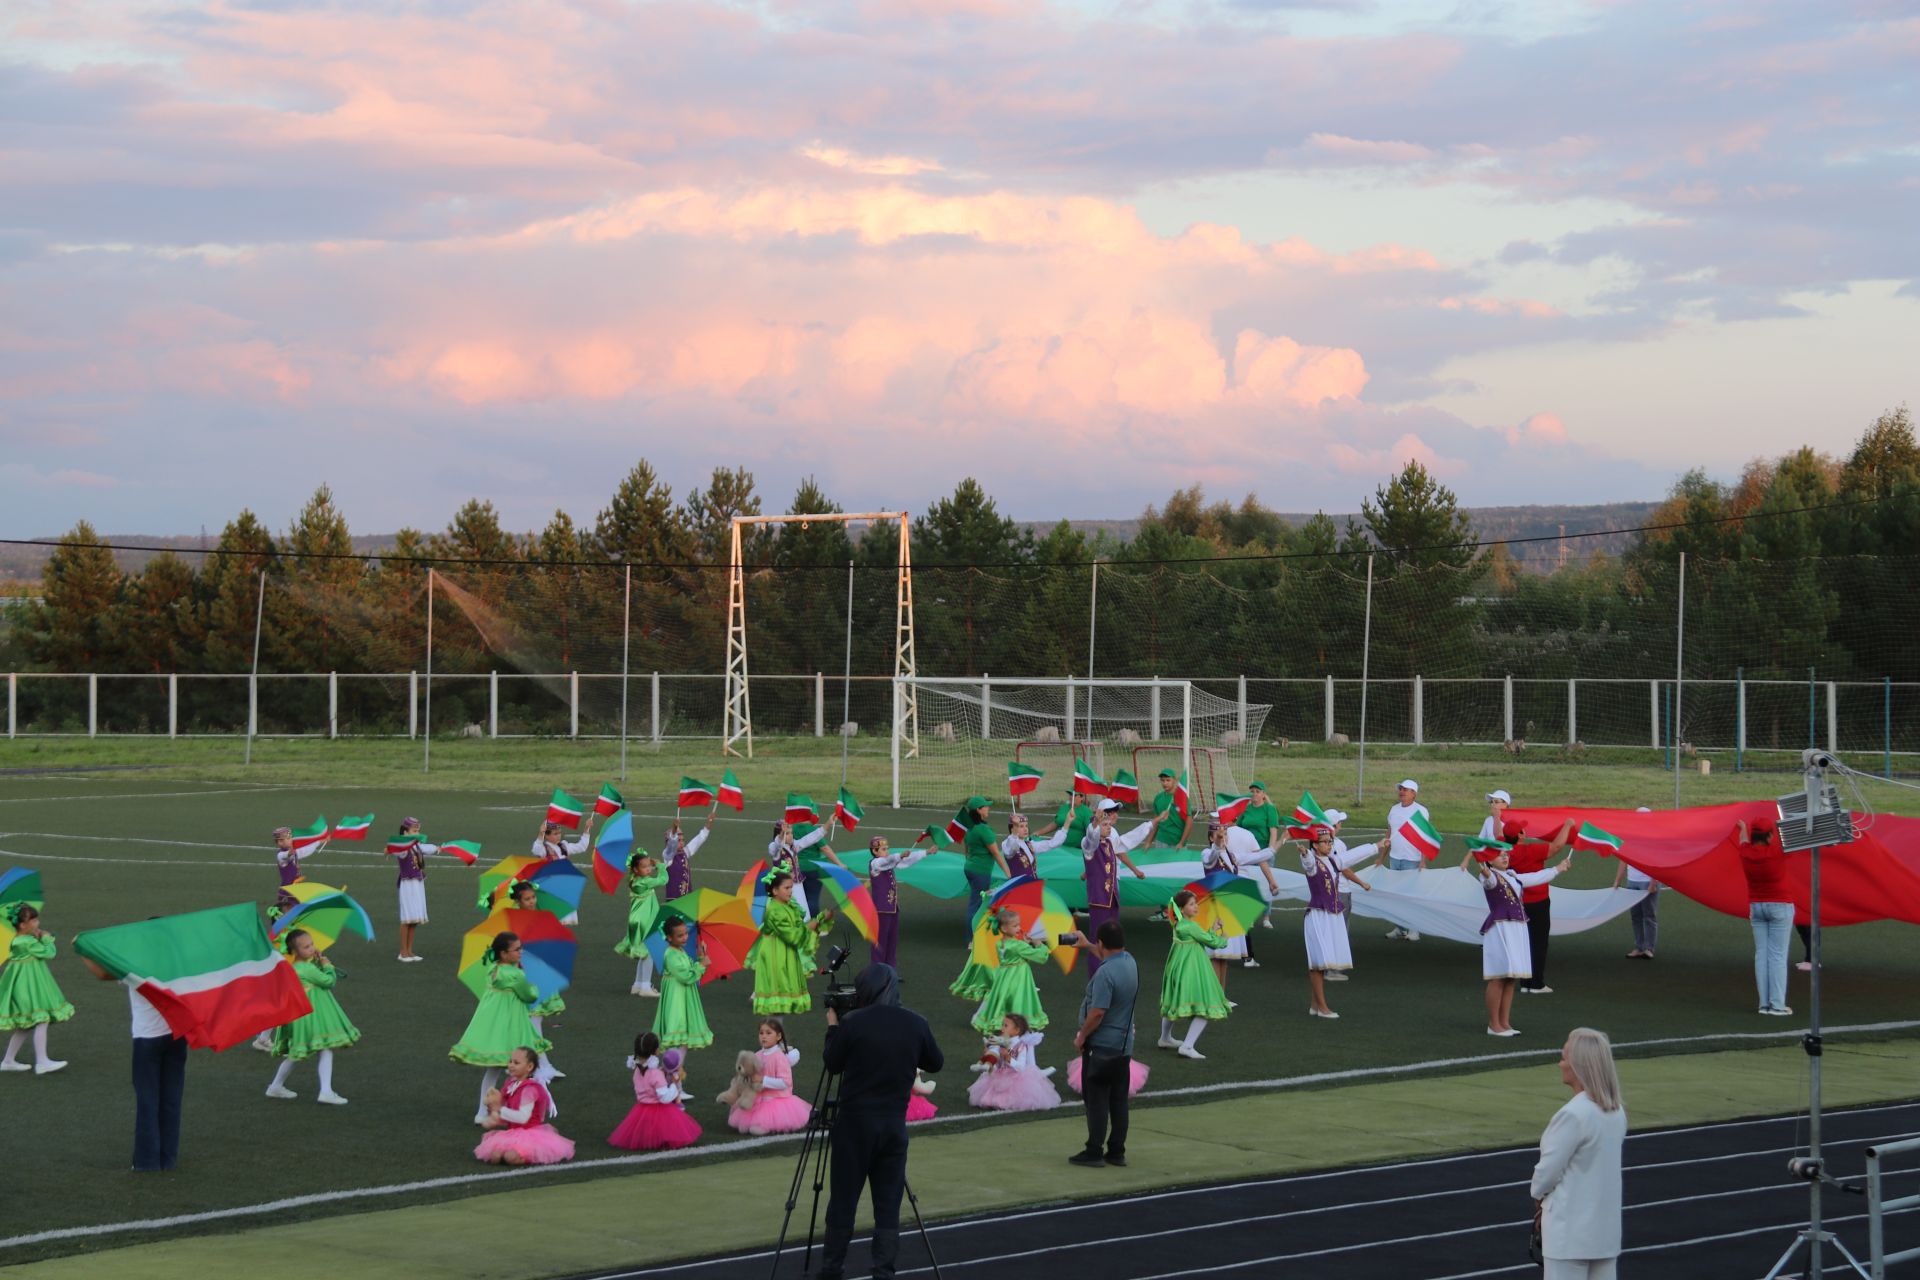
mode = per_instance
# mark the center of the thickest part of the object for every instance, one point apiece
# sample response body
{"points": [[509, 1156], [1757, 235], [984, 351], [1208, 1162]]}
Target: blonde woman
{"points": [[1576, 1184]]}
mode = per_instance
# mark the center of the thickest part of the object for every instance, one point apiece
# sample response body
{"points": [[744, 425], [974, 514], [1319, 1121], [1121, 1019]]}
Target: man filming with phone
{"points": [[875, 1050]]}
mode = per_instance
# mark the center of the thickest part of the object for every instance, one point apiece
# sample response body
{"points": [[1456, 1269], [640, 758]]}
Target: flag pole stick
{"points": [[846, 683], [626, 644], [426, 728], [253, 681]]}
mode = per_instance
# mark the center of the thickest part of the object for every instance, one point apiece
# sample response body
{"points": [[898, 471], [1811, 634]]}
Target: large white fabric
{"points": [[1578, 1179]]}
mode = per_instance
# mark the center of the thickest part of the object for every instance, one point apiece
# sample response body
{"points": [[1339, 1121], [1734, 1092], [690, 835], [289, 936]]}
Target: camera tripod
{"points": [[815, 1144]]}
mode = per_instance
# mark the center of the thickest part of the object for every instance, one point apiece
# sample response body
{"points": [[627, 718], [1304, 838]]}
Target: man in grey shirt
{"points": [[1105, 1045]]}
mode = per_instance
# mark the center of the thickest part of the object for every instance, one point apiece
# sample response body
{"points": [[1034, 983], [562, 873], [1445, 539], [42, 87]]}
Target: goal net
{"points": [[969, 729]]}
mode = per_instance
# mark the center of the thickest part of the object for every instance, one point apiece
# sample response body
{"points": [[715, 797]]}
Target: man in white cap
{"points": [[1495, 821], [1401, 854]]}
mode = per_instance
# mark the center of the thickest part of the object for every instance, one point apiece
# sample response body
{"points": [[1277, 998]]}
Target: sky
{"points": [[1088, 253]]}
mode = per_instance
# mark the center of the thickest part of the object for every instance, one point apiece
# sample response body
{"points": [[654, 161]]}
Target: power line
{"points": [[423, 559]]}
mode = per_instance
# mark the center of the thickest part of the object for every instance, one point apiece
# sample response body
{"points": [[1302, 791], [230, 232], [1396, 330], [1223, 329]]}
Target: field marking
{"points": [[156, 795]]}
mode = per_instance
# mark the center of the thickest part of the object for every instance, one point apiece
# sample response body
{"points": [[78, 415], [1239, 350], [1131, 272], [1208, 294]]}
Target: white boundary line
{"points": [[153, 795]]}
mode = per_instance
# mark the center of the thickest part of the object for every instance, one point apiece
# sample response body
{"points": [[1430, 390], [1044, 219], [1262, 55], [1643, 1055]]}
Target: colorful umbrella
{"points": [[558, 887], [547, 949], [324, 912], [1035, 903], [724, 921], [611, 851], [17, 885], [497, 877], [849, 896], [1228, 900]]}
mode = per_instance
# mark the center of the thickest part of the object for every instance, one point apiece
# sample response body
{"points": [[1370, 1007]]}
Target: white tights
{"points": [[326, 1072], [19, 1038], [643, 972], [1194, 1029]]}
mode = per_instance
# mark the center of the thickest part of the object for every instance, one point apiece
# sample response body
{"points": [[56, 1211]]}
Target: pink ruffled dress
{"points": [[1015, 1081], [919, 1105], [775, 1109], [1136, 1076], [656, 1122], [525, 1106]]}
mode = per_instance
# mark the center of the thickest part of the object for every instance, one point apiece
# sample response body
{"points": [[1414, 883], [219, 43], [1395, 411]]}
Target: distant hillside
{"points": [[24, 564]]}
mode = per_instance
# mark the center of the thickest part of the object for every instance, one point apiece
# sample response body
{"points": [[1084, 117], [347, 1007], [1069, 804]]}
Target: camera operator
{"points": [[875, 1051]]}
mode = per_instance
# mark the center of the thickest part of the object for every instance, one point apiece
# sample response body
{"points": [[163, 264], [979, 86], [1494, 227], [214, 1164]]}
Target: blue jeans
{"points": [[1403, 864], [1772, 927], [1646, 921], [977, 887], [159, 1081]]}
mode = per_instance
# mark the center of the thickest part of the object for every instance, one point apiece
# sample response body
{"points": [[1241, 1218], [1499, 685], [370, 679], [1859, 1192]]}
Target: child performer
{"points": [[517, 1118], [410, 851], [781, 955], [1011, 1081], [783, 854], [1503, 935], [552, 845], [886, 895], [526, 897], [1013, 989], [1189, 988], [677, 853], [1102, 850], [1022, 851], [501, 1024], [644, 876], [319, 1032], [920, 1102], [1218, 856], [681, 1020], [287, 860], [1326, 926], [656, 1123], [773, 1108], [29, 997]]}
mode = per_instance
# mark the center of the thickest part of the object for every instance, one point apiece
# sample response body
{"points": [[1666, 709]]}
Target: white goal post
{"points": [[971, 727]]}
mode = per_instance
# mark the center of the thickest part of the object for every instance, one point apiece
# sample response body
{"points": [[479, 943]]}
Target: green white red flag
{"points": [[936, 837], [958, 825], [1307, 810], [213, 975], [801, 809], [695, 794], [400, 844], [1487, 850], [1124, 788], [565, 810], [848, 810], [352, 828], [1023, 779], [308, 836], [1087, 780], [468, 851], [608, 802], [1421, 834], [730, 793], [1182, 800], [1594, 839], [1232, 806]]}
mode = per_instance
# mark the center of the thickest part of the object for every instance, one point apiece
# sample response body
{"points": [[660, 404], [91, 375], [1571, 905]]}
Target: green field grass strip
{"points": [[1261, 1134]]}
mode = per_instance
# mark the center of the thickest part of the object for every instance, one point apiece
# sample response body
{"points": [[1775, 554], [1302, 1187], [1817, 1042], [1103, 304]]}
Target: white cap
{"points": [[1501, 796], [1410, 785], [1106, 803], [1643, 809], [1335, 817]]}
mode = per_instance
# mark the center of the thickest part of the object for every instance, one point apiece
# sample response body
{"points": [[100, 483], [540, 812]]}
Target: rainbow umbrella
{"points": [[611, 850], [1229, 901], [495, 879], [324, 912], [852, 898], [558, 887], [547, 949], [17, 885], [724, 921], [1035, 903]]}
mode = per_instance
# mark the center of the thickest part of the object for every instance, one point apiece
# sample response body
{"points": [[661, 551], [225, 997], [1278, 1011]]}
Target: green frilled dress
{"points": [[501, 1023], [1013, 989], [779, 960], [1190, 988], [681, 1020], [28, 993], [326, 1027], [643, 912]]}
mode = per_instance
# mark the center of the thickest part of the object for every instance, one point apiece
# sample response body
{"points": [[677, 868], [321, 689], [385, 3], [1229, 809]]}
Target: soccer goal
{"points": [[971, 728]]}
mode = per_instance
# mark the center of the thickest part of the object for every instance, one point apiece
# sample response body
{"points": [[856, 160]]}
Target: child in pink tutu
{"points": [[1011, 1079], [920, 1102], [1136, 1077], [771, 1106], [656, 1122], [517, 1119]]}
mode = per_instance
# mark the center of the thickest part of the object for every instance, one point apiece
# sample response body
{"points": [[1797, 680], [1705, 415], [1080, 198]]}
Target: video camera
{"points": [[839, 995]]}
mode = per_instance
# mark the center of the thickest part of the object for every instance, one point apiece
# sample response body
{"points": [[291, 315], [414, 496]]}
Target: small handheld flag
{"points": [[352, 828], [1595, 840], [936, 837], [1124, 788], [308, 836], [1487, 850], [608, 802], [848, 810], [1087, 780], [1181, 799], [400, 844], [1421, 834], [1023, 779], [565, 810], [730, 793], [1307, 810], [801, 809], [695, 794], [957, 826], [1232, 806], [468, 851]]}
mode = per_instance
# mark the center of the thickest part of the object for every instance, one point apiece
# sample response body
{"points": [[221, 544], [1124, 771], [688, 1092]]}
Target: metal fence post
{"points": [[1833, 716], [653, 709], [13, 703], [1739, 718], [1886, 725], [1328, 735], [1153, 711], [1242, 693], [1573, 714], [819, 704], [1506, 707], [493, 704], [333, 704], [1419, 711], [986, 706], [413, 704], [93, 703], [1653, 710], [173, 704], [1070, 710], [573, 696]]}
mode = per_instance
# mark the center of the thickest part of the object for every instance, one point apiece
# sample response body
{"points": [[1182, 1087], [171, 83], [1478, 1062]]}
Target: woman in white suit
{"points": [[1576, 1184]]}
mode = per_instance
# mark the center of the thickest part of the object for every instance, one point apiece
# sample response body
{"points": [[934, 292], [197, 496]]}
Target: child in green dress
{"points": [[29, 997], [319, 1032], [1189, 988], [501, 1022], [644, 877], [784, 951], [681, 1020], [526, 897], [1013, 989]]}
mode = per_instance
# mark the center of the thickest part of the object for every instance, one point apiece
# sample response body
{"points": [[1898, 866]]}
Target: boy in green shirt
{"points": [[1171, 829]]}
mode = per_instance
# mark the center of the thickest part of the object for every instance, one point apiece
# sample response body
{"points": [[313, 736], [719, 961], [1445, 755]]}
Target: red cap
{"points": [[1319, 831], [1512, 831]]}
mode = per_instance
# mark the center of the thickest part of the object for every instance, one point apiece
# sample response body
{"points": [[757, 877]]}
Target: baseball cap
{"points": [[1501, 796], [1410, 784], [1335, 817], [1107, 803]]}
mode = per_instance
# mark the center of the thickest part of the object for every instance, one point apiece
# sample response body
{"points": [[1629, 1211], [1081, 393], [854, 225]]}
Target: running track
{"points": [[1702, 1201]]}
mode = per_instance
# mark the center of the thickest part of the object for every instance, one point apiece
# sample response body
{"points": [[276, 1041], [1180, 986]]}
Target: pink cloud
{"points": [[1540, 429]]}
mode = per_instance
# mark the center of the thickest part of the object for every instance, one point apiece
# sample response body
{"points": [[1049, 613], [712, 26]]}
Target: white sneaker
{"points": [[47, 1067], [280, 1091], [650, 992], [1188, 1051], [1778, 1011], [1168, 1042], [634, 990], [1334, 975], [1396, 932], [1232, 1005], [332, 1099], [1249, 963], [1411, 935], [1316, 1013], [1266, 922], [1537, 991], [1047, 1071], [21, 1066], [1501, 1034], [1805, 966]]}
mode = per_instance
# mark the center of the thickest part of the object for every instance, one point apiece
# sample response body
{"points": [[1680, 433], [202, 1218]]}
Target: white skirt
{"points": [[1327, 946], [413, 902], [1236, 949], [1504, 952]]}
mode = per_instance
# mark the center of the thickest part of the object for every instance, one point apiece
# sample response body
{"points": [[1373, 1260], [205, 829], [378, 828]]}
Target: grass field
{"points": [[119, 845]]}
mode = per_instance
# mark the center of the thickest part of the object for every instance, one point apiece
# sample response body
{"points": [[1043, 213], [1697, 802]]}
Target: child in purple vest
{"points": [[1504, 954], [886, 895]]}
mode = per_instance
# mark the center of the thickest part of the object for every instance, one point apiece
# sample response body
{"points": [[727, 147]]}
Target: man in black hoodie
{"points": [[875, 1052]]}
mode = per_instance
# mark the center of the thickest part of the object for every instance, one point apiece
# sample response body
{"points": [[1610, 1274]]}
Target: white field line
{"points": [[151, 795], [748, 1144]]}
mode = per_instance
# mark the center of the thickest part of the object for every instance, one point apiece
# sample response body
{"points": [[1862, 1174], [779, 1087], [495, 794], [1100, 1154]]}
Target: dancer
{"points": [[501, 1024], [681, 1020], [644, 877], [1022, 850], [781, 955], [783, 854], [1218, 856], [1009, 1078], [411, 852], [552, 845], [657, 1122], [677, 853], [1013, 989], [1189, 989], [1503, 935], [882, 864], [517, 1117], [30, 1000], [319, 1032], [920, 1103], [287, 861], [1102, 850], [1326, 924], [981, 854], [1401, 853], [1172, 827], [772, 1108], [526, 897]]}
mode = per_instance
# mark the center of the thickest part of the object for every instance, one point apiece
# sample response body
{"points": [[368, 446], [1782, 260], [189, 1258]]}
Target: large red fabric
{"points": [[1877, 877]]}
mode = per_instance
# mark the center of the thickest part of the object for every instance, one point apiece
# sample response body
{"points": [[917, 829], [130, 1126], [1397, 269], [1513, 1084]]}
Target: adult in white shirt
{"points": [[1401, 854], [1646, 912], [1576, 1184], [159, 1081]]}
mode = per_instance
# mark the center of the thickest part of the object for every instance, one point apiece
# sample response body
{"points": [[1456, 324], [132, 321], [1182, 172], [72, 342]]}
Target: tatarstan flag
{"points": [[1023, 779], [1232, 806], [1181, 798], [400, 844], [1087, 780], [608, 802], [308, 836], [1487, 850], [958, 825], [565, 810], [1421, 834], [1124, 788], [730, 793], [801, 809], [352, 828], [1307, 810], [936, 837], [213, 975], [1593, 838], [848, 810], [694, 794], [468, 851]]}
